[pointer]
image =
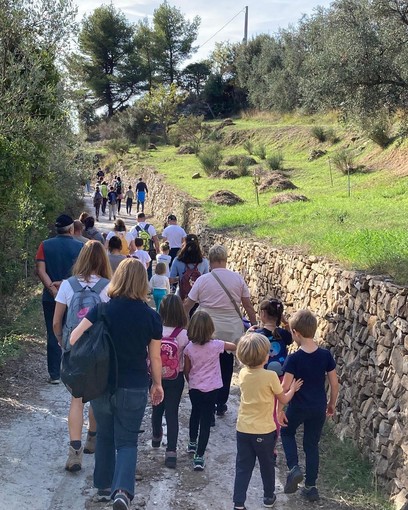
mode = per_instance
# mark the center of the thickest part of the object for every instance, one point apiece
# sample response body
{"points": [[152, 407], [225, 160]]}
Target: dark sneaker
{"points": [[156, 442], [170, 460], [269, 502], [294, 477], [222, 410], [121, 501], [192, 447], [199, 463], [310, 493], [102, 496]]}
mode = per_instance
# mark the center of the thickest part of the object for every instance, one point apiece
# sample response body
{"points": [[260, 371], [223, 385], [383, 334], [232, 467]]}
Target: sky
{"points": [[265, 16]]}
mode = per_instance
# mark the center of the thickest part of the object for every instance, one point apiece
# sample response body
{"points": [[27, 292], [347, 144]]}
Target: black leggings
{"points": [[202, 412]]}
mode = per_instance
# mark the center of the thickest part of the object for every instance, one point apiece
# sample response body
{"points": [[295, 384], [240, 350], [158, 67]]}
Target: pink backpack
{"points": [[169, 355]]}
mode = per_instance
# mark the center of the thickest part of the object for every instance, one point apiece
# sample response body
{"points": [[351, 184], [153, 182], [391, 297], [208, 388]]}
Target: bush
{"points": [[243, 166], [119, 145], [249, 147], [143, 142], [319, 133], [331, 136], [260, 151], [380, 134], [343, 160], [210, 158], [275, 161]]}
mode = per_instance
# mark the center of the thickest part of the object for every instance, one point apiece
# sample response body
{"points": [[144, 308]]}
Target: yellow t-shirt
{"points": [[258, 389]]}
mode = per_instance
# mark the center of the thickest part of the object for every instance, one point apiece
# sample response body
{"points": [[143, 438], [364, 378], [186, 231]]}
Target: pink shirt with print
{"points": [[205, 373]]}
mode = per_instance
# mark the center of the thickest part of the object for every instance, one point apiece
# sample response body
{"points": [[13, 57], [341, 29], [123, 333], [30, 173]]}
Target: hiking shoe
{"points": [[74, 461], [294, 477], [199, 463], [90, 444], [170, 460], [269, 502], [50, 380], [239, 507], [156, 442], [121, 501], [192, 447], [310, 493], [102, 496], [221, 410]]}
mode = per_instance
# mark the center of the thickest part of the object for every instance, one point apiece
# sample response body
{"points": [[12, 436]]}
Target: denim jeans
{"points": [[313, 421], [249, 448], [54, 351], [118, 419], [170, 408], [202, 411], [227, 368]]}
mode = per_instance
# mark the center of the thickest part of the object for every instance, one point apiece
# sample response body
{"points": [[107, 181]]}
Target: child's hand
{"points": [[252, 328], [330, 410], [296, 385], [282, 419]]}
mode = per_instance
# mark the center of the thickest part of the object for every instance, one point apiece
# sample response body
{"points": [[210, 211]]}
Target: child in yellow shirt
{"points": [[256, 428]]}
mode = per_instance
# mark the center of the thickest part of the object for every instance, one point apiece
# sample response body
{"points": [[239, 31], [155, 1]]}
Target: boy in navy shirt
{"points": [[309, 406]]}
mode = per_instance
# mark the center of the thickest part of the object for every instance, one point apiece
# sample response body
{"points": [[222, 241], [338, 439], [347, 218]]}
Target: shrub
{"points": [[380, 134], [174, 137], [319, 133], [243, 166], [249, 147], [119, 145], [275, 161], [331, 136], [210, 158], [143, 141], [343, 160], [260, 151]]}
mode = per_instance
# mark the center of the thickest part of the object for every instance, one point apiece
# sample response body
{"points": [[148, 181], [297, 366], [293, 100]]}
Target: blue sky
{"points": [[265, 16]]}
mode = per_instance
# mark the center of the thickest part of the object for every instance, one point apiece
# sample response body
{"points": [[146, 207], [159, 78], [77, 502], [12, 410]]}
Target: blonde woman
{"points": [[91, 269], [119, 416], [119, 230]]}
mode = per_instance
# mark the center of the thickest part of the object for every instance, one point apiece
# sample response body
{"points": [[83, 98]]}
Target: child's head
{"points": [[201, 328], [114, 243], [303, 324], [130, 187], [139, 242], [165, 248], [253, 349], [272, 310], [111, 188], [160, 268], [172, 312]]}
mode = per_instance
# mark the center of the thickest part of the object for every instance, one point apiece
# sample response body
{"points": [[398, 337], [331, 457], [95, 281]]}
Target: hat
{"points": [[171, 217], [63, 221], [275, 366]]}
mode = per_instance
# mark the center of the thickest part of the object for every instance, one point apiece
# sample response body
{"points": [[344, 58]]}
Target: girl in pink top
{"points": [[203, 373]]}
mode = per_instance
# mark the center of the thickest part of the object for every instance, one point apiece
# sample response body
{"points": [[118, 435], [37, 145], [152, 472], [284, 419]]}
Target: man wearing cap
{"points": [[54, 260], [175, 236]]}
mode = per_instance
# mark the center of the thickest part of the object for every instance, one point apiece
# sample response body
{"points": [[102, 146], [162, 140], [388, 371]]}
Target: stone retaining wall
{"points": [[362, 319]]}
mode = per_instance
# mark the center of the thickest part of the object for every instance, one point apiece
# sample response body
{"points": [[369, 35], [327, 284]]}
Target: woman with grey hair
{"points": [[221, 293]]}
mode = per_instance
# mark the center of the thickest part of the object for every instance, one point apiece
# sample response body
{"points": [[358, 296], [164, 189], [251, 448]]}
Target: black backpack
{"points": [[89, 369]]}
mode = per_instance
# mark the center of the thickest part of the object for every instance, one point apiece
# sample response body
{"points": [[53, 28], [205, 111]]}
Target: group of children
{"points": [[269, 380]]}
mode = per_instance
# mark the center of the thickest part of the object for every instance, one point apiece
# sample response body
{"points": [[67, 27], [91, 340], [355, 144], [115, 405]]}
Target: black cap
{"points": [[171, 217], [63, 221]]}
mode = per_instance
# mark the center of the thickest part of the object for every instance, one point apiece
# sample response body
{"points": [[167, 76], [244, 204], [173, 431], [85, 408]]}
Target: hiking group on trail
{"points": [[100, 285]]}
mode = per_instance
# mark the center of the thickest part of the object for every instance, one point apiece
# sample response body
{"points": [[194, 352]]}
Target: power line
{"points": [[222, 28]]}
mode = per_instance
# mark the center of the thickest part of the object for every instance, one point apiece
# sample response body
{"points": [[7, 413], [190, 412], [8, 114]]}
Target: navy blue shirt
{"points": [[132, 324], [312, 369], [59, 254], [279, 344]]}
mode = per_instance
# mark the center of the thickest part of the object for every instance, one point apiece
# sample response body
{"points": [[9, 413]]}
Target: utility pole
{"points": [[245, 40]]}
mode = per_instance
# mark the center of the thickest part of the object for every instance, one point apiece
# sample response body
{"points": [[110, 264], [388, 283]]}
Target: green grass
{"points": [[348, 476], [25, 322], [367, 231]]}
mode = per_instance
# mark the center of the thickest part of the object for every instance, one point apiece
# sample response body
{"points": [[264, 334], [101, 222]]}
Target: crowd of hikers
{"points": [[190, 331]]}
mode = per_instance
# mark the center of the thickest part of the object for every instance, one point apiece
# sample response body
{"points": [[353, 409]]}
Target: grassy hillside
{"points": [[367, 230]]}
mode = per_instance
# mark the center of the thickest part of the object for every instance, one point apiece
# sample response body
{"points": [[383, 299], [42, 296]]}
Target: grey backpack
{"points": [[82, 301]]}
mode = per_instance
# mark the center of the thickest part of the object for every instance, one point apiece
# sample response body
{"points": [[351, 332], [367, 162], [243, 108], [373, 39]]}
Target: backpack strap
{"points": [[138, 228], [100, 285], [146, 228], [175, 333], [228, 293], [75, 285]]}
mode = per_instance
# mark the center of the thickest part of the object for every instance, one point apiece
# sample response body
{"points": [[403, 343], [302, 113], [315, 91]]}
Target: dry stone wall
{"points": [[363, 320]]}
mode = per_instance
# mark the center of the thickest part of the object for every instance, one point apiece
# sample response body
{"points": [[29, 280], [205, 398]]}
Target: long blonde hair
{"points": [[129, 280], [92, 259]]}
